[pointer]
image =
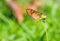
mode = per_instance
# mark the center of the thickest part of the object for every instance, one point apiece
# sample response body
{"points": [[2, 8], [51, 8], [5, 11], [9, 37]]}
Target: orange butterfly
{"points": [[35, 15]]}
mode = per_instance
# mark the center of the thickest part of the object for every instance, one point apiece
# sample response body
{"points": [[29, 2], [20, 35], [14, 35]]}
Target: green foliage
{"points": [[30, 30]]}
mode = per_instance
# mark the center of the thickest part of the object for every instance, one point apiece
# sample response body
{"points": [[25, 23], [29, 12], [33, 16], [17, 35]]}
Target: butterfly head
{"points": [[43, 18]]}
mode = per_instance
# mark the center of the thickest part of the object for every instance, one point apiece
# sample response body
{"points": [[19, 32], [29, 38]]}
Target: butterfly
{"points": [[36, 15]]}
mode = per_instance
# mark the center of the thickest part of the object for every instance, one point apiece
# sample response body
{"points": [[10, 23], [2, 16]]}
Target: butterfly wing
{"points": [[34, 14], [28, 11]]}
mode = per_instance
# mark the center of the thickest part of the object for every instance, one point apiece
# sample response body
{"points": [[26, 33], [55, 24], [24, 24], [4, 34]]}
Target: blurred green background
{"points": [[30, 30]]}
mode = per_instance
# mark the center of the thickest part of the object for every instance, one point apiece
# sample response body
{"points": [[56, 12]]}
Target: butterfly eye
{"points": [[44, 20]]}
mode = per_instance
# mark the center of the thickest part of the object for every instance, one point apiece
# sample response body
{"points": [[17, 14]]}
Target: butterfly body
{"points": [[35, 15]]}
